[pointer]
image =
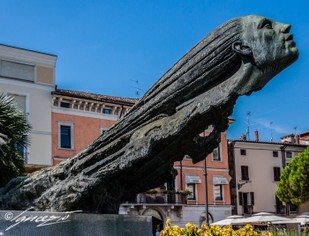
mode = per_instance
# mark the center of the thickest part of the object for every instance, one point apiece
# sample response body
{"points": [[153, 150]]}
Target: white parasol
{"points": [[262, 218], [302, 220], [228, 220]]}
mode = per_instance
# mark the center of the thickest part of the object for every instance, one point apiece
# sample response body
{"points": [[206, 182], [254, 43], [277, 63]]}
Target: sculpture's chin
{"points": [[291, 57], [294, 52]]}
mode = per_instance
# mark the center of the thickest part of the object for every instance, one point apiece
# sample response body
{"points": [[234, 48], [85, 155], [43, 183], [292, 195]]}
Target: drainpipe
{"points": [[232, 172], [206, 193], [206, 189], [282, 148], [181, 185]]}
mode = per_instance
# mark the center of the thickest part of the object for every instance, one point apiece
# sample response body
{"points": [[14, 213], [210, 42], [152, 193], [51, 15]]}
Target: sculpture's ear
{"points": [[242, 49]]}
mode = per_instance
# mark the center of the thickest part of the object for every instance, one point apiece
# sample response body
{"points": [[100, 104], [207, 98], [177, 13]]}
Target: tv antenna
{"points": [[137, 89], [271, 131], [248, 125], [295, 130]]}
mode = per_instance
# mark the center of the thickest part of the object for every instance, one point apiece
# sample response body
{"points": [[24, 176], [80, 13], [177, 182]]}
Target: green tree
{"points": [[293, 187], [13, 139]]}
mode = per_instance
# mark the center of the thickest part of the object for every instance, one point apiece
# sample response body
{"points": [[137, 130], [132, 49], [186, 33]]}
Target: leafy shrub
{"points": [[213, 230]]}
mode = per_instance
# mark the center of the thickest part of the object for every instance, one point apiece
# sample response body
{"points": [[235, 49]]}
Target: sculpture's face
{"points": [[271, 44]]}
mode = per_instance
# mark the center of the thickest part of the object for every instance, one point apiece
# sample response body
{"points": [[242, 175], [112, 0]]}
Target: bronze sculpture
{"points": [[138, 153]]}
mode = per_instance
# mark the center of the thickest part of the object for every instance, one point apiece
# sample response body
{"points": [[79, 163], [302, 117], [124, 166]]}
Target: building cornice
{"points": [[267, 143], [120, 101], [201, 168], [87, 114], [26, 84], [27, 56]]}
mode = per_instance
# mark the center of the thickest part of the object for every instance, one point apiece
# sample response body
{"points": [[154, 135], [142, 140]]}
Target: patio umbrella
{"points": [[261, 219], [302, 220], [228, 220]]}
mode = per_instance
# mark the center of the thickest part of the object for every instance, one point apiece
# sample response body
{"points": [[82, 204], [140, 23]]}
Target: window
{"points": [[240, 198], [288, 154], [21, 102], [280, 208], [66, 135], [218, 192], [22, 152], [243, 152], [246, 200], [293, 208], [16, 70], [103, 130], [191, 188], [244, 172], [65, 105], [107, 111], [275, 153], [216, 154], [276, 173]]}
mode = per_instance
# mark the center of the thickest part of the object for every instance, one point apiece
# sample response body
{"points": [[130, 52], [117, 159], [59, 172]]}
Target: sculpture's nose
{"points": [[285, 28]]}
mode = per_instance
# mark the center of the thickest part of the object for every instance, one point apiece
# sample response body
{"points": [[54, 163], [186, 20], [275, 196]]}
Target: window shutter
{"points": [[252, 198], [276, 173], [244, 173], [17, 70], [247, 172], [240, 198]]}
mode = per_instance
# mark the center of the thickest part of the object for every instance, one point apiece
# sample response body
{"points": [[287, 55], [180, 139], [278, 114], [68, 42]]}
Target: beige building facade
{"points": [[29, 77], [255, 168]]}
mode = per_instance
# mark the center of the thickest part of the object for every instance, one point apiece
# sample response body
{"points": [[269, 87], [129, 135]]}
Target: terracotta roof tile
{"points": [[96, 97]]}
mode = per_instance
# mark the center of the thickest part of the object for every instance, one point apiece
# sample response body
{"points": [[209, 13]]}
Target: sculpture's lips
{"points": [[289, 40], [291, 43]]}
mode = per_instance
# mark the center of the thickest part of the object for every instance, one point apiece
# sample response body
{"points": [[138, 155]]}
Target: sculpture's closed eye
{"points": [[266, 24]]}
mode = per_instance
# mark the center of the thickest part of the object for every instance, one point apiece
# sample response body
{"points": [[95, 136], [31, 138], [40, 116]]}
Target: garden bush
{"points": [[213, 230]]}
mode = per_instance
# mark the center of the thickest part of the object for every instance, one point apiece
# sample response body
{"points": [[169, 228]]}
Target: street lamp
{"points": [[206, 193]]}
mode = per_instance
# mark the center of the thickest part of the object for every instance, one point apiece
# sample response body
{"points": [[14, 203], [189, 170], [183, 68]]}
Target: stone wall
{"points": [[31, 223]]}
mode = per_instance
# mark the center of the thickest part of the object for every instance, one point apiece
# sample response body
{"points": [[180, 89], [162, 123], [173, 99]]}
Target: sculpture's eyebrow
{"points": [[263, 22]]}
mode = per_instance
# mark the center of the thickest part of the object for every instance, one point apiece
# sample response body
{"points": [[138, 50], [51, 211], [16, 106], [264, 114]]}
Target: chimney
{"points": [[256, 135], [297, 139]]}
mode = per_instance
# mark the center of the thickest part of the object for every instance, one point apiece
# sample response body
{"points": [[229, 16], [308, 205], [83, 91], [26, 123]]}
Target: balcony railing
{"points": [[144, 201], [159, 198]]}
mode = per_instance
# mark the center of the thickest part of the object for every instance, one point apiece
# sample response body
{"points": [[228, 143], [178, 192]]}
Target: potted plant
{"points": [[184, 192], [152, 191], [163, 190]]}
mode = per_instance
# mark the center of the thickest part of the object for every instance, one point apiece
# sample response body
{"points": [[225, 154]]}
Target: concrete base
{"points": [[55, 223]]}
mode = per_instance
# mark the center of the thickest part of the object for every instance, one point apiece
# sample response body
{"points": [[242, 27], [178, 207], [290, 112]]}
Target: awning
{"points": [[193, 179], [217, 180]]}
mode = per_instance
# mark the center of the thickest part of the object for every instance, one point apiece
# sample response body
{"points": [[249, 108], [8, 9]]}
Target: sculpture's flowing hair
{"points": [[207, 64], [213, 55]]}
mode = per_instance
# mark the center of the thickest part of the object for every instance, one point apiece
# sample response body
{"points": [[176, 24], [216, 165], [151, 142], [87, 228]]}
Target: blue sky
{"points": [[105, 46]]}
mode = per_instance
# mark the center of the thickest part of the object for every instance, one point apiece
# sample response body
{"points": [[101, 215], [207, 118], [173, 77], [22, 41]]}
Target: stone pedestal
{"points": [[55, 223]]}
